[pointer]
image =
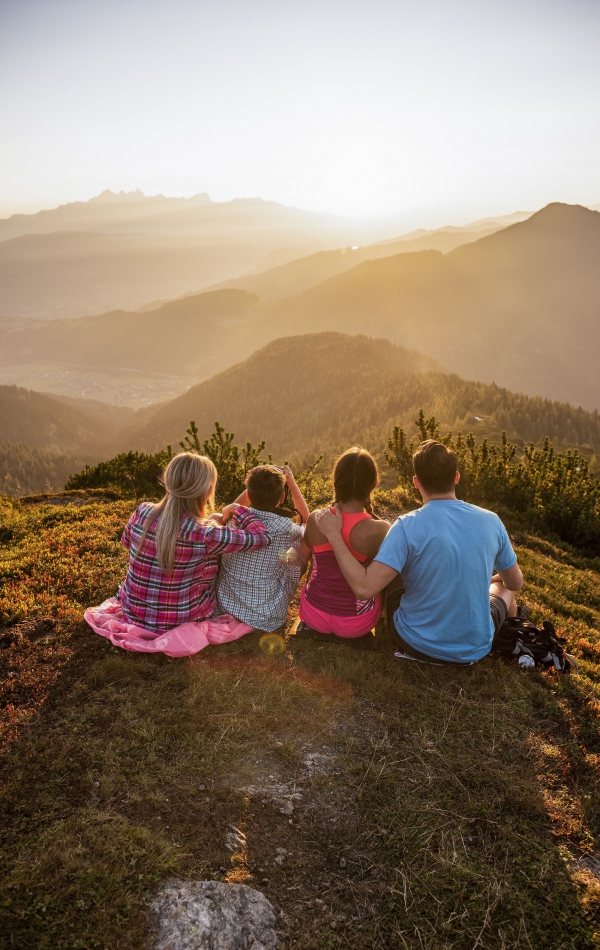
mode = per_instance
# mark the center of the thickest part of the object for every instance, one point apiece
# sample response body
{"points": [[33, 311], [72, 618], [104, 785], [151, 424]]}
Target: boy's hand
{"points": [[328, 523], [289, 477]]}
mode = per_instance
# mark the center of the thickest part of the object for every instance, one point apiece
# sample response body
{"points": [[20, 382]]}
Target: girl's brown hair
{"points": [[355, 476]]}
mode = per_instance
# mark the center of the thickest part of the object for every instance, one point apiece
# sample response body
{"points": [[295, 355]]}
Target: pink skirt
{"points": [[332, 623], [108, 621]]}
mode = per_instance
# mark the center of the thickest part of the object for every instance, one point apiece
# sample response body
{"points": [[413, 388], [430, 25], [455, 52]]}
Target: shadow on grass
{"points": [[425, 817]]}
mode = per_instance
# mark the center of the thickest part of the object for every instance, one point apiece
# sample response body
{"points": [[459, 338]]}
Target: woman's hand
{"points": [[228, 511], [329, 523]]}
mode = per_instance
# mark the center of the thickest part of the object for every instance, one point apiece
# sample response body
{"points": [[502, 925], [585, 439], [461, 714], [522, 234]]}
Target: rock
{"points": [[343, 863], [210, 915], [288, 808]]}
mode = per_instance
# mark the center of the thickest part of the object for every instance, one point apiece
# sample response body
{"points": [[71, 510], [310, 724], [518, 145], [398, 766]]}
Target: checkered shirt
{"points": [[257, 586], [158, 600]]}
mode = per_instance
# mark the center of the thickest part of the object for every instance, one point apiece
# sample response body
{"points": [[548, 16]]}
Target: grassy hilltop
{"points": [[378, 804]]}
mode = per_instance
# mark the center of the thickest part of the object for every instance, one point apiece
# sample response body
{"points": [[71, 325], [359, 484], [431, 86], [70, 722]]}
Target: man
{"points": [[443, 608]]}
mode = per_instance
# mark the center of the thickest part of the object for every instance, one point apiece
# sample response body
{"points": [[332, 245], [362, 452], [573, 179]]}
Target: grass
{"points": [[377, 804]]}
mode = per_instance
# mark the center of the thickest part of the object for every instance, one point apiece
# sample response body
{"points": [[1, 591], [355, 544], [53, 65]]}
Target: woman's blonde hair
{"points": [[190, 482]]}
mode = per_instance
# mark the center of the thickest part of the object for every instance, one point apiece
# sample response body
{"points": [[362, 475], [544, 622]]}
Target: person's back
{"points": [[328, 605], [447, 552], [257, 590]]}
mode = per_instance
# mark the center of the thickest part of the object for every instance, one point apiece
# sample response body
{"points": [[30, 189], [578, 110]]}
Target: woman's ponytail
{"points": [[190, 482]]}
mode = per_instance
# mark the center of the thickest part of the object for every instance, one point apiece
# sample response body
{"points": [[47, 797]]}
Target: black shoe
{"points": [[303, 630], [523, 612]]}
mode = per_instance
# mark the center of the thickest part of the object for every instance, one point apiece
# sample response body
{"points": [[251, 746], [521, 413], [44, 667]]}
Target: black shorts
{"points": [[498, 610]]}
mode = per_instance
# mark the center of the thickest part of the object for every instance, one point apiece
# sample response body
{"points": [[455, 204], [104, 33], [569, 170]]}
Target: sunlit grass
{"points": [[443, 808]]}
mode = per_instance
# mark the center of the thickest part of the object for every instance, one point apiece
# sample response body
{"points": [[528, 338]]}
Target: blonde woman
{"points": [[173, 560]]}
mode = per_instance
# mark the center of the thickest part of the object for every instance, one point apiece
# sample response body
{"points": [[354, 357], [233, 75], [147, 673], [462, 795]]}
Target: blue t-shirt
{"points": [[447, 552]]}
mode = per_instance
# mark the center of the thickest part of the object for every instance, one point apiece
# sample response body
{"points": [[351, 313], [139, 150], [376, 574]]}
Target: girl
{"points": [[327, 603]]}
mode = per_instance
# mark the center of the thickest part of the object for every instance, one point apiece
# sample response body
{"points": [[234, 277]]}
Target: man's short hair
{"points": [[265, 485], [434, 464]]}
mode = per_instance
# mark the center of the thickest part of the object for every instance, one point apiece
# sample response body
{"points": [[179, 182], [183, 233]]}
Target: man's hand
{"points": [[328, 523]]}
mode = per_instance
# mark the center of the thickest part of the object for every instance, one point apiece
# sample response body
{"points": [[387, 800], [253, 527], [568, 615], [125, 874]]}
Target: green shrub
{"points": [[137, 475], [552, 491], [132, 474]]}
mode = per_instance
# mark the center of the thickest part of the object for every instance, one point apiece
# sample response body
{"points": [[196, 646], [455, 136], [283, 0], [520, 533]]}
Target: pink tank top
{"points": [[327, 589]]}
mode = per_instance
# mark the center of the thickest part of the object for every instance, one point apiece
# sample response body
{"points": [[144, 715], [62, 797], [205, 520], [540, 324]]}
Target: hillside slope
{"points": [[297, 276], [519, 307], [194, 336], [39, 421], [315, 394]]}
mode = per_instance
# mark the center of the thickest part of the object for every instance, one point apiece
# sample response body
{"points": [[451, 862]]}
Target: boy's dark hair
{"points": [[435, 466], [355, 476], [265, 485]]}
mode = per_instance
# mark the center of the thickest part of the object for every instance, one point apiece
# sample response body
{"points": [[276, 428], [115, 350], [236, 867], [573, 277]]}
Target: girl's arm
{"points": [[297, 496]]}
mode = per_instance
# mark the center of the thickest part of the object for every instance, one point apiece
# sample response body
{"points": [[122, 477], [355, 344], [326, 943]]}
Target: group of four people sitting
{"points": [[448, 568]]}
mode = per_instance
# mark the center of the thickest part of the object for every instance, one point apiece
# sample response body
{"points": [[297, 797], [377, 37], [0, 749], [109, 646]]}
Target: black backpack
{"points": [[519, 637]]}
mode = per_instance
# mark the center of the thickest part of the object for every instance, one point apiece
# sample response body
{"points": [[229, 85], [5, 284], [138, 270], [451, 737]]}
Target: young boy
{"points": [[256, 588]]}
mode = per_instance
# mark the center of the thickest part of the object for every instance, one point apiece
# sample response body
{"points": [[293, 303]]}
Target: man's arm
{"points": [[364, 581], [512, 578]]}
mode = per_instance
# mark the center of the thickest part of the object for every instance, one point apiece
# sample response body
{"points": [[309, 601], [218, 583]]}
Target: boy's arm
{"points": [[297, 496]]}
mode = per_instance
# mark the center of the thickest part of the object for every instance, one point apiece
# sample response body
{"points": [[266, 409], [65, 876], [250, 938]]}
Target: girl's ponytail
{"points": [[355, 476]]}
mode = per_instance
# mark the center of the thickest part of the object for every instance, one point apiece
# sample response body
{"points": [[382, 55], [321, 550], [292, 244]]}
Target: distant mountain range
{"points": [[518, 307], [126, 250]]}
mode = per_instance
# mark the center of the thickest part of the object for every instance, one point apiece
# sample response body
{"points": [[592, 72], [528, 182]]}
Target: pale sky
{"points": [[433, 111]]}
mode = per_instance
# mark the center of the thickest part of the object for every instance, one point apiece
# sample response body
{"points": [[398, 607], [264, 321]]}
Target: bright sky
{"points": [[436, 111]]}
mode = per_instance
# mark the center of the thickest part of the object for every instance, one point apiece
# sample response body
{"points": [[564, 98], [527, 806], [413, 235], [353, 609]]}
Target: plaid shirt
{"points": [[157, 600], [257, 586]]}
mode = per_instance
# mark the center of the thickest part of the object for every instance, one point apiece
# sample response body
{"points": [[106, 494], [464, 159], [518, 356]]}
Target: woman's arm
{"points": [[248, 533]]}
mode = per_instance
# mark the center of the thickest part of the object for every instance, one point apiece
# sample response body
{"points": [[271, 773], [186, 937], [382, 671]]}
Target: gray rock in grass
{"points": [[210, 915]]}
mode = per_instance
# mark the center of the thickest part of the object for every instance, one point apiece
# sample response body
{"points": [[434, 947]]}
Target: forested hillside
{"points": [[314, 394], [40, 421], [26, 471]]}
